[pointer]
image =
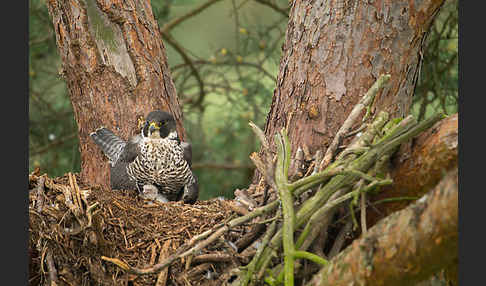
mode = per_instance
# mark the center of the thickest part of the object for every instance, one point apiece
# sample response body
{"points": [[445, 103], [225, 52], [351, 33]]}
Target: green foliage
{"points": [[437, 88], [235, 47], [53, 143]]}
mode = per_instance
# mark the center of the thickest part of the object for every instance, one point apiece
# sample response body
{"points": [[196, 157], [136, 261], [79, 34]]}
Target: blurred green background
{"points": [[235, 46]]}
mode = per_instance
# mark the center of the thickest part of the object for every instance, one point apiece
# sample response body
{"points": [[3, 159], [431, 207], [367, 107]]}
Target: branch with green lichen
{"points": [[348, 168], [251, 267], [281, 177]]}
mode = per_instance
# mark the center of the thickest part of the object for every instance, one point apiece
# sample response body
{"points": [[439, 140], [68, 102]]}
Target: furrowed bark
{"points": [[333, 52], [404, 248], [115, 68]]}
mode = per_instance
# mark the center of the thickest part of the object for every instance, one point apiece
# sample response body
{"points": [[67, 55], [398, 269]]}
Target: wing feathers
{"points": [[111, 145]]}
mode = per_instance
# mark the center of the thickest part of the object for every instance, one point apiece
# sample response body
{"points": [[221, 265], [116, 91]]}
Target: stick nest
{"points": [[68, 238]]}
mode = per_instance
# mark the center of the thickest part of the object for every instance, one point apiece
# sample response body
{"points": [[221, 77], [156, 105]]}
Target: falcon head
{"points": [[159, 124]]}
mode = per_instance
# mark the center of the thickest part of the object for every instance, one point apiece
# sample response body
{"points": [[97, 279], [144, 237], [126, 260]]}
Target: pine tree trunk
{"points": [[333, 52], [116, 70]]}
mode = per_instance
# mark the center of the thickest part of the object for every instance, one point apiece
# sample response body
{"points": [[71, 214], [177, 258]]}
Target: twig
{"points": [[304, 239], [318, 215], [409, 133], [251, 236], [173, 23], [274, 7], [53, 144], [162, 277], [281, 175], [315, 179], [261, 135], [310, 256], [212, 257], [339, 241], [252, 265], [40, 193], [364, 229], [395, 199], [52, 269], [229, 63], [310, 206], [363, 142], [353, 116], [189, 62], [264, 165], [354, 202], [324, 222], [362, 164]]}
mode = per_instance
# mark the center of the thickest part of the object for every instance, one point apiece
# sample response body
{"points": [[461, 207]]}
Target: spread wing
{"points": [[111, 145]]}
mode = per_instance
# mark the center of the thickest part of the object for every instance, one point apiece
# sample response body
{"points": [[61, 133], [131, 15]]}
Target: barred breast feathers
{"points": [[161, 162]]}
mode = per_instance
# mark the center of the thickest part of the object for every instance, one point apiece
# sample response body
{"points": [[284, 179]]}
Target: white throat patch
{"points": [[172, 135]]}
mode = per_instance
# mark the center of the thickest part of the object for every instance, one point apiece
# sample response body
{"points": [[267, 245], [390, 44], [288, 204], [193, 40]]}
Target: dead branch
{"points": [[52, 269], [212, 257], [355, 169], [53, 144], [420, 240], [229, 63], [267, 3], [164, 273], [189, 62], [352, 117], [174, 22], [434, 152], [40, 193]]}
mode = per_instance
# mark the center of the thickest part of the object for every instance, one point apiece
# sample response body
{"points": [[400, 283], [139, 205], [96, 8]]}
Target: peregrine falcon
{"points": [[154, 158]]}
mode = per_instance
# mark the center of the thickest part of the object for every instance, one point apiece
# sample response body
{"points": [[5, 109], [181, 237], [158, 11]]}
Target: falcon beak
{"points": [[153, 126]]}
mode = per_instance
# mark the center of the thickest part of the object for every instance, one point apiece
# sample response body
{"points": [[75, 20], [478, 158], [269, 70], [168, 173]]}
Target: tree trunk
{"points": [[116, 70], [333, 52]]}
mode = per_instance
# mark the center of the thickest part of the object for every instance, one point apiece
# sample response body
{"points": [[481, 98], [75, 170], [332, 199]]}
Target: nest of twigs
{"points": [[81, 234]]}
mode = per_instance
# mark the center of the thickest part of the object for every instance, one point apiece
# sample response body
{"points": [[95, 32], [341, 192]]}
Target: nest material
{"points": [[72, 226]]}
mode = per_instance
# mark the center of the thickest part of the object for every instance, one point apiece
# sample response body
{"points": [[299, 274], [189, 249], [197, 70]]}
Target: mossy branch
{"points": [[402, 132], [251, 267], [281, 177]]}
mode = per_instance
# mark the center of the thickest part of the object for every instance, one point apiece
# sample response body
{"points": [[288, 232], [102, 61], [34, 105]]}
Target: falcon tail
{"points": [[111, 145], [191, 193]]}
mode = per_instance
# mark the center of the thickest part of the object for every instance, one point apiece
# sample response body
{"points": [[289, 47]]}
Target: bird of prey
{"points": [[154, 162]]}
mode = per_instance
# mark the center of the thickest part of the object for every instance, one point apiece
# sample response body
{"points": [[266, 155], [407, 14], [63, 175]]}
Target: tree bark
{"points": [[333, 52], [404, 248], [116, 70]]}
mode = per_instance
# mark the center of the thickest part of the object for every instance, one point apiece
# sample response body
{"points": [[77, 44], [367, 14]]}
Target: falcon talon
{"points": [[154, 162]]}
